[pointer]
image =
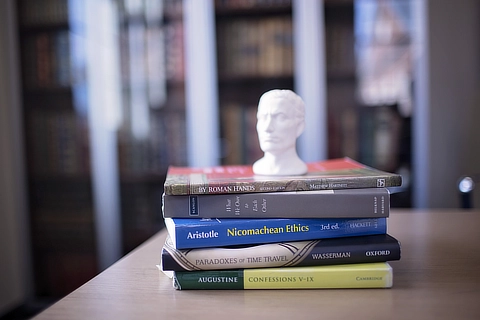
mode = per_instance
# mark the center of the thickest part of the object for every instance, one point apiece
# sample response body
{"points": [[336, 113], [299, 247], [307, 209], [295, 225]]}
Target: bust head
{"points": [[280, 121]]}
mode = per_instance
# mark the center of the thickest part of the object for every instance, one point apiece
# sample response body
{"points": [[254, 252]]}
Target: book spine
{"points": [[368, 275], [202, 233], [199, 186], [348, 203], [365, 249]]}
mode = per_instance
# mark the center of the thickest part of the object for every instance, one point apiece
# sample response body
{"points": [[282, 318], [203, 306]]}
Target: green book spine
{"points": [[366, 275], [216, 279]]}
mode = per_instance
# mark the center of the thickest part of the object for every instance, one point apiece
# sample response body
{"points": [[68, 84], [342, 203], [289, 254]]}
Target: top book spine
{"points": [[343, 173]]}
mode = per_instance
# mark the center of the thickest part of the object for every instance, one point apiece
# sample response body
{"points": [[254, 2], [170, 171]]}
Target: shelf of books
{"points": [[56, 142], [230, 229], [255, 53], [150, 135]]}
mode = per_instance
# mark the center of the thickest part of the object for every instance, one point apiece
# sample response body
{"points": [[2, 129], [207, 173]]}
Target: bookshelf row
{"points": [[63, 234], [152, 54], [255, 47], [238, 126], [41, 13], [165, 144], [340, 52], [251, 4], [59, 145], [47, 60], [57, 12]]}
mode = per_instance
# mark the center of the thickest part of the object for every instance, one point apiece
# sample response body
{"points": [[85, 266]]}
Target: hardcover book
{"points": [[347, 250], [203, 233], [362, 275], [343, 173], [345, 203]]}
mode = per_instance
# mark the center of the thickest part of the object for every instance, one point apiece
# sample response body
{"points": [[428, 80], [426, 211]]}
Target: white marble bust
{"points": [[280, 121]]}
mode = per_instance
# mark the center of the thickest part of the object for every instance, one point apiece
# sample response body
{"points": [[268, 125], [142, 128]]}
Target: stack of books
{"points": [[231, 229]]}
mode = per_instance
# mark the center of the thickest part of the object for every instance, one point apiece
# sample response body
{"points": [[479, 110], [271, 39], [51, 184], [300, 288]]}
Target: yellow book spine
{"points": [[366, 275]]}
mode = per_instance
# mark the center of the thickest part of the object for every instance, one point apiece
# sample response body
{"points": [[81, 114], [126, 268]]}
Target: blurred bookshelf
{"points": [[59, 184], [152, 135], [255, 52], [254, 55], [149, 133]]}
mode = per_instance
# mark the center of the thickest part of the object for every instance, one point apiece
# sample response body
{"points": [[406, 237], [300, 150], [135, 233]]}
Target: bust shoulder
{"points": [[292, 167]]}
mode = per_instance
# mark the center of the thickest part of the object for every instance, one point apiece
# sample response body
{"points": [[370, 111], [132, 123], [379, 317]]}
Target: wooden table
{"points": [[438, 277]]}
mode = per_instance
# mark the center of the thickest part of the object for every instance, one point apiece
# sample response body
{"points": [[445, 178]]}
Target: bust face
{"points": [[277, 125]]}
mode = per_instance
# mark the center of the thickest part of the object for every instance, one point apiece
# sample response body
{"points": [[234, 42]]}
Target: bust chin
{"points": [[265, 166]]}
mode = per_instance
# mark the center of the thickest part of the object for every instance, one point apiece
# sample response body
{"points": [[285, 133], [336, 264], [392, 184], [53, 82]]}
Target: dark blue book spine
{"points": [[202, 233]]}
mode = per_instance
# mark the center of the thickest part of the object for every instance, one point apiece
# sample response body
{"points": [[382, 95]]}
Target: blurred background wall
{"points": [[93, 111]]}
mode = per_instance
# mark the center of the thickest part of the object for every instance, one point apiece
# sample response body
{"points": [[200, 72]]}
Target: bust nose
{"points": [[269, 125]]}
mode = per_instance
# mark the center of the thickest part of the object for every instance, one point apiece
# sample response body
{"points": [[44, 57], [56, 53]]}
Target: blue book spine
{"points": [[203, 233]]}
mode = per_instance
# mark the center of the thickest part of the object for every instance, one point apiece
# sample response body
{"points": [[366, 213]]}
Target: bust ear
{"points": [[300, 128]]}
